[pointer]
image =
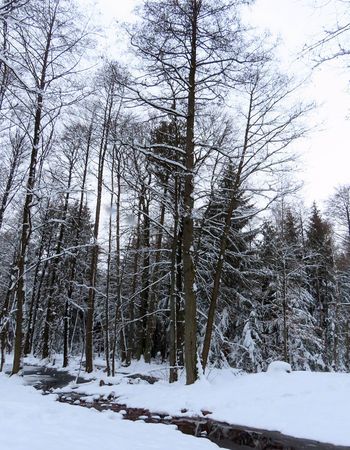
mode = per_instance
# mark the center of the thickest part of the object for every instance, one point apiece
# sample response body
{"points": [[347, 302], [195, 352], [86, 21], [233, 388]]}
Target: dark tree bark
{"points": [[53, 289], [151, 318], [89, 346], [145, 272], [26, 228], [223, 243], [118, 305], [188, 239], [73, 265], [17, 148]]}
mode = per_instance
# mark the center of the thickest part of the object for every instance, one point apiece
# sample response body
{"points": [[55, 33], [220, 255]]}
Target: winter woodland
{"points": [[149, 210]]}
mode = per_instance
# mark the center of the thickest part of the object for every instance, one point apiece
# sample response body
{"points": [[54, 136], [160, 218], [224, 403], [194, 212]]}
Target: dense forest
{"points": [[149, 210]]}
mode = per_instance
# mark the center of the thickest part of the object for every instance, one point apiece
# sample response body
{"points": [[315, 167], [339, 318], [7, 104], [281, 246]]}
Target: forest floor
{"points": [[302, 404], [30, 421]]}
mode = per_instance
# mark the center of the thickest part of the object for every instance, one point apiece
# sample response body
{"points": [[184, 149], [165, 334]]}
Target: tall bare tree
{"points": [[48, 51], [111, 103], [193, 51]]}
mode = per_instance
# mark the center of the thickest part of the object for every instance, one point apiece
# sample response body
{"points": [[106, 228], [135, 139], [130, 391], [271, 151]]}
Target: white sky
{"points": [[325, 153]]}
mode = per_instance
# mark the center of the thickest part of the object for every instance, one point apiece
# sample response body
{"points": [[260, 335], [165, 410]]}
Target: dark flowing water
{"points": [[48, 378], [228, 436]]}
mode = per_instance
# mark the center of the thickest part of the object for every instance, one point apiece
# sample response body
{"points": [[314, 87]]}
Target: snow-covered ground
{"points": [[301, 404], [30, 421]]}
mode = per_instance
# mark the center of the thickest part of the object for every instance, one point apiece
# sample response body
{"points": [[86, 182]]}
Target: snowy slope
{"points": [[30, 421]]}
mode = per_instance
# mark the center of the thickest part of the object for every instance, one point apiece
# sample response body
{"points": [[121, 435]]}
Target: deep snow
{"points": [[31, 421], [301, 404]]}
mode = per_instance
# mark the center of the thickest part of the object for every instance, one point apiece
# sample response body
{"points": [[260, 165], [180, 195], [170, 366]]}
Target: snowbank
{"points": [[301, 404], [31, 421], [279, 366]]}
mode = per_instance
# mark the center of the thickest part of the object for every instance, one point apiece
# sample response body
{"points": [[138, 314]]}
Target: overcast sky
{"points": [[325, 153]]}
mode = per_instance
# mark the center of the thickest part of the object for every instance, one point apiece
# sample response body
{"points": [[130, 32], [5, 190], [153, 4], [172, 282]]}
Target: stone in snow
{"points": [[279, 366]]}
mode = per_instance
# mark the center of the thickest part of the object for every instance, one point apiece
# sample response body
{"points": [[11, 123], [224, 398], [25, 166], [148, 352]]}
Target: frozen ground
{"points": [[31, 421]]}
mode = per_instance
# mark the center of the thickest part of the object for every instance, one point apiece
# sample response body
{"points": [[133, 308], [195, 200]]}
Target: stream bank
{"points": [[227, 436]]}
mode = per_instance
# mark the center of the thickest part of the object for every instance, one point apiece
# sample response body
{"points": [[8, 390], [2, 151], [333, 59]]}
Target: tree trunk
{"points": [[53, 278], [188, 240], [27, 340], [26, 218], [223, 244], [94, 259], [131, 327], [66, 319], [151, 318], [173, 297], [10, 180], [145, 281], [118, 268], [4, 322], [24, 241]]}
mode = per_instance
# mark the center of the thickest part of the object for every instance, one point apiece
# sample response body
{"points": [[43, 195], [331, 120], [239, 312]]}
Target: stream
{"points": [[227, 436]]}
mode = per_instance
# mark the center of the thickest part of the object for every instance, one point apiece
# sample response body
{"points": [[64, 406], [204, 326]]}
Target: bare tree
{"points": [[15, 159], [339, 207], [334, 40], [48, 51], [193, 51], [111, 83], [269, 130]]}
